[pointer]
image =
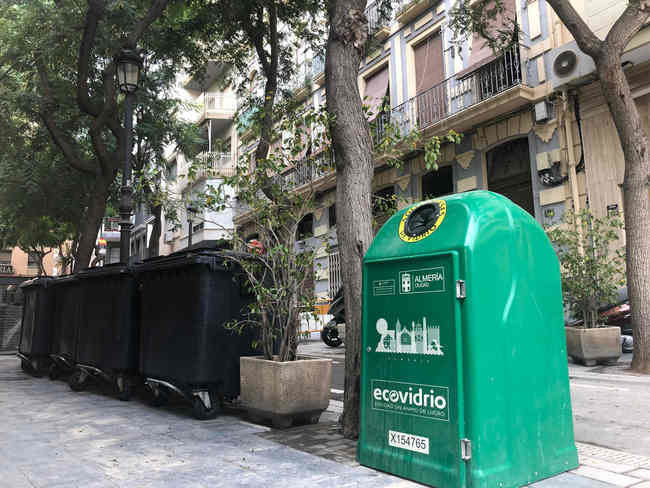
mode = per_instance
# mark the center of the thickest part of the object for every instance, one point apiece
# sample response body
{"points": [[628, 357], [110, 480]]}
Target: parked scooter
{"points": [[333, 334]]}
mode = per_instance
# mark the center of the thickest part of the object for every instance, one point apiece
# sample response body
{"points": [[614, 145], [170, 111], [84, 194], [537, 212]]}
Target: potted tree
{"points": [[274, 197], [593, 268]]}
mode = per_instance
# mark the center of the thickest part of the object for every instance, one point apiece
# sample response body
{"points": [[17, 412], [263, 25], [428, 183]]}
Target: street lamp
{"points": [[190, 212], [128, 65]]}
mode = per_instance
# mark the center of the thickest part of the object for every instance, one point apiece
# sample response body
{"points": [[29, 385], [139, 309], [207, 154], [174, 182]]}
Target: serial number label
{"points": [[409, 442]]}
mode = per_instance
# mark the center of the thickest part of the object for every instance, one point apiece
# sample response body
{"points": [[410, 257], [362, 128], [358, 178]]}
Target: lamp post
{"points": [[128, 65]]}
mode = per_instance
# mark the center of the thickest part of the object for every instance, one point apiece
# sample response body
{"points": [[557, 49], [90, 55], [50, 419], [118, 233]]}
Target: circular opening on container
{"points": [[422, 220]]}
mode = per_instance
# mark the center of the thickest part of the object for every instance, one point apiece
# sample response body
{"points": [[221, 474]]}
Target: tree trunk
{"points": [[90, 223], [636, 150], [354, 165]]}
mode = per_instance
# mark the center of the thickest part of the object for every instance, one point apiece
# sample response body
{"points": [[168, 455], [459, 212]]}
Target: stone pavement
{"points": [[51, 437]]}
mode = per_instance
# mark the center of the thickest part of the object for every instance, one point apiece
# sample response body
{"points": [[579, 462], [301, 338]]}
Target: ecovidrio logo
{"points": [[428, 401]]}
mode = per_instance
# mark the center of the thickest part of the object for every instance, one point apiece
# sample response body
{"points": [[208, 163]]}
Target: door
{"points": [[508, 168], [411, 395]]}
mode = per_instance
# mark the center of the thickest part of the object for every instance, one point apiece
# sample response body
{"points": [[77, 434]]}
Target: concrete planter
{"points": [[285, 392], [591, 346]]}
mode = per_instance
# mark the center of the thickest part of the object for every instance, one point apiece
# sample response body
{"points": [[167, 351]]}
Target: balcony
{"points": [[214, 165], [111, 229], [410, 10], [301, 84], [454, 96], [6, 268], [318, 70], [378, 24], [218, 106], [307, 170]]}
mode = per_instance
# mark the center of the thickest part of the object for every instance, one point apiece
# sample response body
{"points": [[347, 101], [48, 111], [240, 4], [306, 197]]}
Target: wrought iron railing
{"points": [[306, 170], [456, 94], [317, 66], [218, 102], [376, 19], [214, 164]]}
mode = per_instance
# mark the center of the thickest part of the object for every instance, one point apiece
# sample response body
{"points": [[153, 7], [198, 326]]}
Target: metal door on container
{"points": [[412, 418]]}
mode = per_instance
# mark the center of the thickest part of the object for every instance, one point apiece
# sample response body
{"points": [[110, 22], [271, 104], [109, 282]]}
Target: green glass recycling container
{"points": [[464, 379]]}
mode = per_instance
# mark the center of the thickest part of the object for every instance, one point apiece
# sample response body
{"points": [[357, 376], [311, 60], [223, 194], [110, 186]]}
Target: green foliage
{"points": [[489, 19], [592, 267], [276, 276], [180, 37]]}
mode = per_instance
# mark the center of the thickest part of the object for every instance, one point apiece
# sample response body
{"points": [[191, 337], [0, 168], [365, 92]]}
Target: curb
{"points": [[617, 378]]}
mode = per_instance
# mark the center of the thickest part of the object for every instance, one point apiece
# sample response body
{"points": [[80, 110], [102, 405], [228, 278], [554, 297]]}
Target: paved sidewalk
{"points": [[51, 437]]}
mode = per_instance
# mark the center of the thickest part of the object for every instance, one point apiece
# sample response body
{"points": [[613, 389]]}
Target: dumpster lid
{"points": [[214, 258], [106, 270], [38, 281], [69, 278]]}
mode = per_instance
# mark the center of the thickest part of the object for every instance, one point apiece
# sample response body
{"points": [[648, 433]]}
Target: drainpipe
{"points": [[573, 178]]}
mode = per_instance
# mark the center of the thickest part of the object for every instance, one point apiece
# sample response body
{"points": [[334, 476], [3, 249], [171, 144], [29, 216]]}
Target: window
{"points": [[384, 202], [305, 227], [32, 260], [5, 257], [438, 183], [198, 227], [376, 90], [332, 216]]}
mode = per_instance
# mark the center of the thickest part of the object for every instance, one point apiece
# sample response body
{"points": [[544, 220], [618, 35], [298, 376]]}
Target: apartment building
{"points": [[14, 262], [213, 110], [535, 128]]}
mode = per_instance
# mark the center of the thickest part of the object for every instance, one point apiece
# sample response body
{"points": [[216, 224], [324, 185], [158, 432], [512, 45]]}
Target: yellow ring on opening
{"points": [[402, 233]]}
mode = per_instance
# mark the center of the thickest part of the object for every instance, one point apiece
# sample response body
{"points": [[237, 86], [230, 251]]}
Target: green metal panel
{"points": [[413, 335], [500, 356]]}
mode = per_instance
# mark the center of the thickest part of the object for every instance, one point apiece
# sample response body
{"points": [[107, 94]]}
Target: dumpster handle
{"points": [[168, 385]]}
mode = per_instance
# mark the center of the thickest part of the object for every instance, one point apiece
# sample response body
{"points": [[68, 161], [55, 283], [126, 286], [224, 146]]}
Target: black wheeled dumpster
{"points": [[36, 331], [67, 318], [186, 299], [107, 341]]}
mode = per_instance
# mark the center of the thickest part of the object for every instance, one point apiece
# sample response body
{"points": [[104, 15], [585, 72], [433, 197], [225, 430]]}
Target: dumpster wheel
{"points": [[124, 388], [78, 380], [54, 372], [206, 404], [157, 396]]}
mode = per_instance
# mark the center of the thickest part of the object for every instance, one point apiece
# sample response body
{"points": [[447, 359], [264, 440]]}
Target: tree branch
{"points": [[627, 25], [60, 139], [586, 39], [154, 12], [96, 10]]}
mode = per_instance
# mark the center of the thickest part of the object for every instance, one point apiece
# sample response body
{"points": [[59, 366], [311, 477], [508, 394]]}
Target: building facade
{"points": [[533, 129]]}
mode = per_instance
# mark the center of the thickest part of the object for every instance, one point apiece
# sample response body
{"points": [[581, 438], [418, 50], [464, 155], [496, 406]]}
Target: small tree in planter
{"points": [[276, 194], [592, 271]]}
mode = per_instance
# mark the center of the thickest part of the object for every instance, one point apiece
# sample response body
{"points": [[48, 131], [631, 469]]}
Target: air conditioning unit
{"points": [[570, 66]]}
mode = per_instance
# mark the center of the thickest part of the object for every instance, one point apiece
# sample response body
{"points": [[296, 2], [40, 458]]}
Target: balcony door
{"points": [[508, 167], [377, 97], [431, 93]]}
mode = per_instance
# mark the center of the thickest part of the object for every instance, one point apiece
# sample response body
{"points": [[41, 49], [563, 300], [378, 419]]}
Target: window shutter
{"points": [[376, 85], [429, 66]]}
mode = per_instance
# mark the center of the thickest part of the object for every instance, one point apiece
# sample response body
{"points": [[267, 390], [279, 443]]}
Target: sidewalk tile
{"points": [[569, 480], [606, 465], [640, 473], [606, 476]]}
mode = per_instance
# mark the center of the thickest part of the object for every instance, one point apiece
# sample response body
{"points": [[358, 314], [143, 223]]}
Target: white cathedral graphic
{"points": [[419, 339]]}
